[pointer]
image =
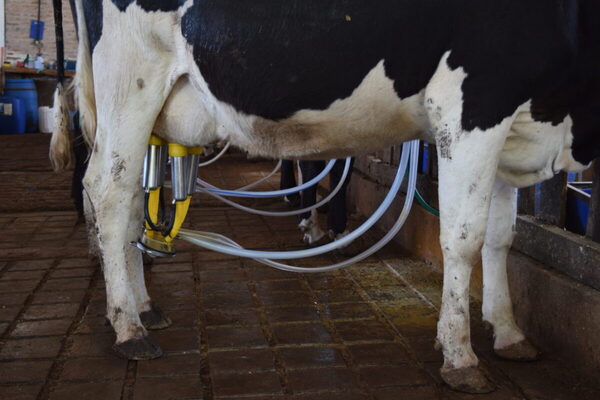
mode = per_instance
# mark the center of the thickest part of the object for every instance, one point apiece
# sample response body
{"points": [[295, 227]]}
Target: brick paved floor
{"points": [[240, 330]]}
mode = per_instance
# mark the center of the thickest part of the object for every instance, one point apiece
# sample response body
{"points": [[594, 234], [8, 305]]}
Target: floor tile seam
{"points": [[399, 338], [203, 346], [362, 385], [58, 364], [27, 303], [280, 367]]}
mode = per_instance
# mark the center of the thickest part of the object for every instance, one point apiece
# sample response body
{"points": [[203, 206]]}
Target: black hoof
{"points": [[469, 380], [155, 319], [138, 349]]}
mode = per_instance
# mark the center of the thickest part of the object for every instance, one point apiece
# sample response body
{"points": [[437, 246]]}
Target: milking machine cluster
{"points": [[162, 227]]}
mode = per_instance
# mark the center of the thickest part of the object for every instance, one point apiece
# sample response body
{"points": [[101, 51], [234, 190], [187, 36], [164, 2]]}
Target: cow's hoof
{"points": [[521, 351], [470, 380], [138, 349], [155, 319]]}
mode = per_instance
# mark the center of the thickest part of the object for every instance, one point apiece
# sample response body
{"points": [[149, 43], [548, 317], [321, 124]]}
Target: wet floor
{"points": [[240, 330]]}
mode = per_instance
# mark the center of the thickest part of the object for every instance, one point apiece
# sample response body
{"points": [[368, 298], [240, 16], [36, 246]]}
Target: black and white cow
{"points": [[509, 90]]}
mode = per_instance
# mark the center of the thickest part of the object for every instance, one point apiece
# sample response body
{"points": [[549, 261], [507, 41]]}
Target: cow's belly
{"points": [[371, 118], [534, 151]]}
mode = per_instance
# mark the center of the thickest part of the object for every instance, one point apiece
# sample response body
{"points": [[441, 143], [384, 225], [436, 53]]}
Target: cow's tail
{"points": [[84, 81], [60, 145], [61, 155]]}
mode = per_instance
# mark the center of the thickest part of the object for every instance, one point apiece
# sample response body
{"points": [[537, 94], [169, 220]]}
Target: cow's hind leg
{"points": [[151, 315], [127, 110], [467, 168], [509, 341]]}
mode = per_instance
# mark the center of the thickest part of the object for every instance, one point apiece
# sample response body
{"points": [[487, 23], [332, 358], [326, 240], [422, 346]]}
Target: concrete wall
{"points": [[19, 13]]}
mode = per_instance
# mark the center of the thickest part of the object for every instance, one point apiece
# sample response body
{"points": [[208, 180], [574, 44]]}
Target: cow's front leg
{"points": [[509, 340]]}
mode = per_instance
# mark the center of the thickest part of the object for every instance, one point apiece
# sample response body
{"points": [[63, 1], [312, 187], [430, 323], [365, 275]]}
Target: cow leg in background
{"points": [[309, 221], [112, 183], [151, 315], [509, 341], [468, 162]]}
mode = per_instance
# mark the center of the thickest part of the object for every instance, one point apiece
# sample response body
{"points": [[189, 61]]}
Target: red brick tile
{"points": [[170, 364], [378, 354], [291, 314], [348, 310], [23, 275], [177, 340], [283, 285], [31, 265], [41, 328], [412, 393], [239, 317], [183, 319], [171, 267], [210, 288], [394, 376], [75, 263], [91, 391], [222, 276], [255, 383], [338, 296], [90, 345], [8, 313], [240, 360], [228, 300], [18, 286], [66, 310], [30, 348], [362, 330], [301, 334], [67, 296], [13, 299], [188, 387], [335, 396], [72, 273], [304, 357], [235, 337], [291, 298], [94, 369], [20, 392], [24, 371], [328, 283], [66, 284], [319, 380], [424, 349]]}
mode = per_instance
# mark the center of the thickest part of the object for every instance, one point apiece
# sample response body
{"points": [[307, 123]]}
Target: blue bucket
{"points": [[25, 90], [12, 115]]}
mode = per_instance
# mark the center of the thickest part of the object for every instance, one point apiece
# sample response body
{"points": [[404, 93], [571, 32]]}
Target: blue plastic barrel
{"points": [[25, 90], [12, 115]]}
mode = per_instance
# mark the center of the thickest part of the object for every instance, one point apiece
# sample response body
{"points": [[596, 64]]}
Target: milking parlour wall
{"points": [[554, 275]]}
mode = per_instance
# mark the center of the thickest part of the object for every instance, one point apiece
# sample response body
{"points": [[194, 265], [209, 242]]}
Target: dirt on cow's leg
{"points": [[509, 341], [467, 169]]}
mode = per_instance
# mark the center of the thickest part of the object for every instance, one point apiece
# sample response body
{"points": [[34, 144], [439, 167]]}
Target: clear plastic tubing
{"points": [[287, 255], [215, 158], [412, 181], [272, 193], [261, 180], [285, 213]]}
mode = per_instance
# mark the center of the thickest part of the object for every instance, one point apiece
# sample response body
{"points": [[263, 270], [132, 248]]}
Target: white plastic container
{"points": [[46, 119]]}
